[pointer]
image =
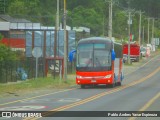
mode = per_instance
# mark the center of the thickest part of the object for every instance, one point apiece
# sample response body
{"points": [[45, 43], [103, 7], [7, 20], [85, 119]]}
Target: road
{"points": [[140, 91]]}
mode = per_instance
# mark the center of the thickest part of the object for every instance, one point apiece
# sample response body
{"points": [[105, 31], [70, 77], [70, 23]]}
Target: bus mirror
{"points": [[71, 55], [113, 55]]}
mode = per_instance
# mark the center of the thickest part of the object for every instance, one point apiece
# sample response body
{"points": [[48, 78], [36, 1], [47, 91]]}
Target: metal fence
{"points": [[7, 71], [13, 71]]}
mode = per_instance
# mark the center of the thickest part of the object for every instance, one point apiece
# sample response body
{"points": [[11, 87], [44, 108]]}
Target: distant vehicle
{"points": [[150, 46], [143, 51], [98, 63], [148, 51], [125, 58], [134, 51]]}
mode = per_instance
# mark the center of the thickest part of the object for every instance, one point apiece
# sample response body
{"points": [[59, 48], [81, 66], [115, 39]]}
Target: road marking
{"points": [[35, 97], [95, 96], [148, 61], [52, 100], [69, 100], [147, 105], [28, 107], [143, 64]]}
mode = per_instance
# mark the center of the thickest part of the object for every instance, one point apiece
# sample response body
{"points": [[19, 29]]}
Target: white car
{"points": [[125, 58], [143, 51]]}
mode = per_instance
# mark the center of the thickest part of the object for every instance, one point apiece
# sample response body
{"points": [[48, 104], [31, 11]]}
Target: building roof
{"points": [[10, 19]]}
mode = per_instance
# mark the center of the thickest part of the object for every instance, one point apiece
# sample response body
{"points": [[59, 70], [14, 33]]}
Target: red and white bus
{"points": [[98, 61]]}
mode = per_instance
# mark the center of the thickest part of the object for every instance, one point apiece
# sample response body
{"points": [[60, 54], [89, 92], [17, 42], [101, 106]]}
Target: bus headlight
{"points": [[108, 76], [79, 77]]}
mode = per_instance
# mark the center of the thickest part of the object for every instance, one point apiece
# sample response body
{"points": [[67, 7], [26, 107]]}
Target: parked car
{"points": [[143, 51], [125, 58]]}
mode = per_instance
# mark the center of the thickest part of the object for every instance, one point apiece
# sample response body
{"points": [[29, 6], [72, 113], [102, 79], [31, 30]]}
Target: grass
{"points": [[127, 64], [34, 84]]}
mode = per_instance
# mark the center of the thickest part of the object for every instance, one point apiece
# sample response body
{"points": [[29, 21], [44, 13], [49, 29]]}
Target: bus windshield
{"points": [[93, 57]]}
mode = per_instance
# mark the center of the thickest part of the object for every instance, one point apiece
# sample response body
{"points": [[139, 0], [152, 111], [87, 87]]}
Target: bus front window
{"points": [[102, 58], [90, 58], [84, 58]]}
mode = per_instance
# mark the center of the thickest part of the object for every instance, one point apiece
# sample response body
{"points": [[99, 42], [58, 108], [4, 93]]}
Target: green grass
{"points": [[33, 84], [127, 64]]}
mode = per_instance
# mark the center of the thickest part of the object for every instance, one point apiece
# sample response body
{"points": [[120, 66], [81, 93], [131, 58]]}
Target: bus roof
{"points": [[94, 40]]}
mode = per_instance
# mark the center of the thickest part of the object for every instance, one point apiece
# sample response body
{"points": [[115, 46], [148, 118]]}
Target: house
{"points": [[14, 38], [15, 43], [14, 31]]}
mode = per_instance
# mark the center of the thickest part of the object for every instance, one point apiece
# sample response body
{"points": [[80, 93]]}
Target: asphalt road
{"points": [[140, 91]]}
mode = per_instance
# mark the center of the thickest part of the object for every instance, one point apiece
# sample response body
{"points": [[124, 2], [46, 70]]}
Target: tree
{"points": [[87, 13], [87, 17], [1, 36], [6, 54]]}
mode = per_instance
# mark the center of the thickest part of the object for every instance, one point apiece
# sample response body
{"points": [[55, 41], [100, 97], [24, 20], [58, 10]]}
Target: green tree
{"points": [[17, 7], [6, 54], [87, 17], [1, 36], [87, 13]]}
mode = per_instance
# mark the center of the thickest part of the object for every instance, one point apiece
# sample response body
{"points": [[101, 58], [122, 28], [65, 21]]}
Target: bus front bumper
{"points": [[94, 80]]}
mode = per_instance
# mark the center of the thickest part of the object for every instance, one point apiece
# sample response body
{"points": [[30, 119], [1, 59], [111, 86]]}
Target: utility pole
{"points": [[152, 40], [153, 29], [111, 3], [148, 29], [143, 36], [57, 16], [56, 30], [110, 20], [140, 19], [129, 32], [65, 44], [129, 14]]}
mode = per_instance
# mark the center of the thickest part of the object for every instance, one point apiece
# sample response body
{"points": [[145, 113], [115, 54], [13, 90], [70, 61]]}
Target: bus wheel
{"points": [[82, 86], [119, 84], [111, 85]]}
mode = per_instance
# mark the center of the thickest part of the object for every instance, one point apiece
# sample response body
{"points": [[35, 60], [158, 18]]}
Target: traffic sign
{"points": [[37, 52]]}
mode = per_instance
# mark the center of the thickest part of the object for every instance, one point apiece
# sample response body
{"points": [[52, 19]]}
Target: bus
{"points": [[99, 61]]}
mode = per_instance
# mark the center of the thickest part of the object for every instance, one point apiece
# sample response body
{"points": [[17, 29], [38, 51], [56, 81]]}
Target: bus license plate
{"points": [[93, 81]]}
